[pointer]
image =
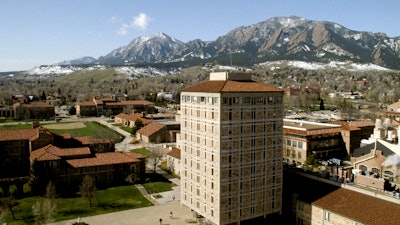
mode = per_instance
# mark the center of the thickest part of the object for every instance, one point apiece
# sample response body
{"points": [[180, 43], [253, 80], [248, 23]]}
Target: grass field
{"points": [[91, 129], [107, 201]]}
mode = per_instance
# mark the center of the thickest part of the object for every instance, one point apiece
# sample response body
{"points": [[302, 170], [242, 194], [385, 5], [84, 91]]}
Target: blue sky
{"points": [[41, 32]]}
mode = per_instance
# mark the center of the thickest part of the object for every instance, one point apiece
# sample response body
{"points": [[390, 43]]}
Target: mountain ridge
{"points": [[278, 38]]}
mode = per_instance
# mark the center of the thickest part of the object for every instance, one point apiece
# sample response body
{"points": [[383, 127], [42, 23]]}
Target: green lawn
{"points": [[109, 200], [156, 183], [21, 125], [142, 151], [91, 129]]}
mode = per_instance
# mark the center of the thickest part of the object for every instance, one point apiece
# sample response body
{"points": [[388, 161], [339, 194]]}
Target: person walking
{"points": [[170, 214], [160, 221]]}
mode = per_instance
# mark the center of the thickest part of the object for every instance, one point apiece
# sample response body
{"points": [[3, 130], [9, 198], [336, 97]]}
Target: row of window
{"points": [[232, 100], [200, 99], [293, 143], [251, 100]]}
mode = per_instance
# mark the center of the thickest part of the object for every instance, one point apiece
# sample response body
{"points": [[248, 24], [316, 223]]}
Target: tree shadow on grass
{"points": [[155, 177]]}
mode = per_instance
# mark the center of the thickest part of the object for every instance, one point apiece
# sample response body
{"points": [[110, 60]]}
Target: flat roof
{"points": [[307, 125]]}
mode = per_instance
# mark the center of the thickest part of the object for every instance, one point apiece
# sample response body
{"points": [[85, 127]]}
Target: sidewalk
{"points": [[141, 216]]}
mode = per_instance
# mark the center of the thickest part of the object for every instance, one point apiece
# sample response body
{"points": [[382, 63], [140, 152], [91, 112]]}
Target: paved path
{"points": [[142, 216]]}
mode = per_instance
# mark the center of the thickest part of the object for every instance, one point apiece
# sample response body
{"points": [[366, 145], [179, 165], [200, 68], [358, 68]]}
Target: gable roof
{"points": [[133, 117], [51, 152], [102, 159], [175, 152], [151, 129], [220, 86], [360, 207]]}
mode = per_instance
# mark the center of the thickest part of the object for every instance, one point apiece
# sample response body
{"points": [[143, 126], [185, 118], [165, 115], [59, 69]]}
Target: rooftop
{"points": [[231, 82], [109, 158], [360, 207]]}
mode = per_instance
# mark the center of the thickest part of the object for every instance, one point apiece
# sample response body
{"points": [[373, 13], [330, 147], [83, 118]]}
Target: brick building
{"points": [[231, 149]]}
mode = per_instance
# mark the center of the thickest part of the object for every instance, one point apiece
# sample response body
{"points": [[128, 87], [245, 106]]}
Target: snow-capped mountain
{"points": [[145, 49], [86, 60], [278, 38]]}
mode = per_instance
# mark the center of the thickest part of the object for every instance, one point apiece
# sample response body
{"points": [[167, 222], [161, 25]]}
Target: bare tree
{"points": [[87, 189], [45, 211], [156, 156]]}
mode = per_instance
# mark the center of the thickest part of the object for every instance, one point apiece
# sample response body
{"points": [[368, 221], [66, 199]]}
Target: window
{"points": [[246, 100], [376, 171], [327, 216], [300, 144], [388, 175], [363, 168], [289, 143]]}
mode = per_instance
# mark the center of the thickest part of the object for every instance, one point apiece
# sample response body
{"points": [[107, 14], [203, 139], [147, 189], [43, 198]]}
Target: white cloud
{"points": [[112, 19], [123, 30], [141, 21]]}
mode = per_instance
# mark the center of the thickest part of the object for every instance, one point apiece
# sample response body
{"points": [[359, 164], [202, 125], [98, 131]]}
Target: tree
{"points": [[138, 125], [9, 203], [72, 110], [87, 189], [156, 156], [321, 105], [43, 96], [45, 211]]}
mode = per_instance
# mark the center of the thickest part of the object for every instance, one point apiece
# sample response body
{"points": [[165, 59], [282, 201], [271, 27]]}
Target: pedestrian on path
{"points": [[160, 221], [170, 214]]}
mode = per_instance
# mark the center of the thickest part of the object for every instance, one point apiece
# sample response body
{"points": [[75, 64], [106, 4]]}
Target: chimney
{"points": [[35, 124]]}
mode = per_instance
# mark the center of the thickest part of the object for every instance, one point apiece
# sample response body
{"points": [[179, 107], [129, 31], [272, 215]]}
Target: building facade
{"points": [[231, 149], [303, 138], [113, 106]]}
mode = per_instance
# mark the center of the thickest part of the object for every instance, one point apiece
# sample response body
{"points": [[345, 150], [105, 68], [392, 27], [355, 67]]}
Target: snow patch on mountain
{"points": [[320, 66], [52, 70]]}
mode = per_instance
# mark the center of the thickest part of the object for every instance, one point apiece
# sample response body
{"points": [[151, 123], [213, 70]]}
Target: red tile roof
{"points": [[312, 132], [21, 134], [102, 159], [130, 102], [175, 152], [219, 86], [88, 103], [360, 123], [51, 152], [151, 128], [38, 105], [360, 207], [133, 117], [87, 140]]}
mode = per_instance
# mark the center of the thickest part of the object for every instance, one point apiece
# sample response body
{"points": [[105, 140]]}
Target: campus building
{"points": [[231, 149]]}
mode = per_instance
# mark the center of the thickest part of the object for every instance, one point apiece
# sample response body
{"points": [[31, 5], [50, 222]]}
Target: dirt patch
{"points": [[65, 126]]}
